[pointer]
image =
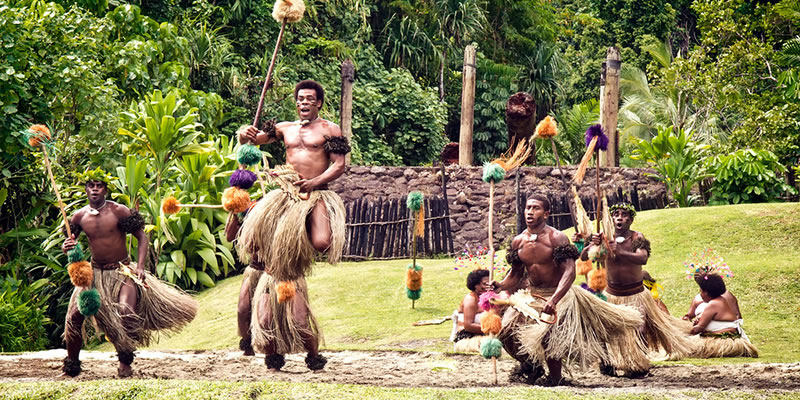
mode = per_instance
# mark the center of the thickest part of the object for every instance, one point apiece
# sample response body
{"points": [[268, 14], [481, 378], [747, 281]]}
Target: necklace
{"points": [[620, 239], [308, 121], [95, 211], [533, 236]]}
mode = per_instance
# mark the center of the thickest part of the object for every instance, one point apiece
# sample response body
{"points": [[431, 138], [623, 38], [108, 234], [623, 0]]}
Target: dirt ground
{"points": [[387, 369]]}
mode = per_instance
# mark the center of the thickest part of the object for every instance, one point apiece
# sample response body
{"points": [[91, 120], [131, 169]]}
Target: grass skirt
{"points": [[713, 346], [284, 332], [710, 347], [660, 331], [585, 324], [250, 278], [161, 306], [275, 229]]}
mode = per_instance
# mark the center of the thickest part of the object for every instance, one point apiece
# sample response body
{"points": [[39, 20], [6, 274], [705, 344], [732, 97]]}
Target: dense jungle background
{"points": [[153, 91]]}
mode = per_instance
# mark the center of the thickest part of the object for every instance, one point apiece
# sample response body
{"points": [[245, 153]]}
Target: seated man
{"points": [[717, 321], [467, 318]]}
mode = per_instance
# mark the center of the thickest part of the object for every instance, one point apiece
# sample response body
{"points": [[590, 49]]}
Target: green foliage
{"points": [[162, 129], [747, 176], [22, 315], [572, 124], [677, 160], [410, 125], [495, 83]]}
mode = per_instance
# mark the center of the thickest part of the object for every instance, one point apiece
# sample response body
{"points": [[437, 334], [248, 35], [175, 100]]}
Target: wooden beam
{"points": [[346, 105], [610, 105], [467, 107]]}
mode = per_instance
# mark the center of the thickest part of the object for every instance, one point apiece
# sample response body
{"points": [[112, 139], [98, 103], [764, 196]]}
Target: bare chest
{"points": [[103, 225], [299, 137]]}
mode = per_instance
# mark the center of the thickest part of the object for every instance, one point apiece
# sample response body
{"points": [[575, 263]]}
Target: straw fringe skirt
{"points": [[251, 276], [161, 306], [275, 229], [585, 324], [711, 347], [660, 331], [283, 333]]}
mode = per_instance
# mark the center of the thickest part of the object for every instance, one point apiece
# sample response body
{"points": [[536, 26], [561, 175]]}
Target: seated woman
{"points": [[467, 318], [717, 320]]}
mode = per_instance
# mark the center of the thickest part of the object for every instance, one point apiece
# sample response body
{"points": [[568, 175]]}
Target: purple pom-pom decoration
{"points": [[586, 287], [483, 300], [243, 179], [602, 139]]}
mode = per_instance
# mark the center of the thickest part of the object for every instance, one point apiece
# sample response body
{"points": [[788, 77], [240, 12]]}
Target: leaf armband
{"points": [[565, 252], [337, 145], [131, 223]]}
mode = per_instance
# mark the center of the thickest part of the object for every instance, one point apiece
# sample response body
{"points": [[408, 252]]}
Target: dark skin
{"points": [[625, 267], [537, 259], [718, 309], [107, 245], [469, 306], [722, 308], [305, 152]]}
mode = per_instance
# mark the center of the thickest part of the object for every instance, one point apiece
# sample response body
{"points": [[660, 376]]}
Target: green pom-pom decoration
{"points": [[89, 302], [248, 154], [601, 296], [493, 172], [416, 267], [414, 200], [491, 348], [76, 254], [413, 294]]}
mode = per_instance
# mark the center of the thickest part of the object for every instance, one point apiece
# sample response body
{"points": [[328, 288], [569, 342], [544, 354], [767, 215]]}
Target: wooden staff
{"points": [[55, 189], [269, 72]]}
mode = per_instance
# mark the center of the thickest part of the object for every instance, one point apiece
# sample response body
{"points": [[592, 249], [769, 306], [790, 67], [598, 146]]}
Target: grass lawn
{"points": [[176, 389], [362, 306]]}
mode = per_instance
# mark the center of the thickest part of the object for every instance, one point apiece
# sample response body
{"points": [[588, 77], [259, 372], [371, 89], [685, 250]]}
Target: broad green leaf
{"points": [[205, 279]]}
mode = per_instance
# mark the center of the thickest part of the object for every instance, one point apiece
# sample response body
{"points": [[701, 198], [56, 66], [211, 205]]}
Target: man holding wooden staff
{"points": [[577, 324], [286, 227], [133, 304]]}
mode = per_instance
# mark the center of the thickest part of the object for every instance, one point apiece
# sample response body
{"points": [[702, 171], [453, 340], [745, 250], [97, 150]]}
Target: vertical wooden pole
{"points": [[610, 104], [602, 101], [346, 105], [491, 231], [467, 107]]}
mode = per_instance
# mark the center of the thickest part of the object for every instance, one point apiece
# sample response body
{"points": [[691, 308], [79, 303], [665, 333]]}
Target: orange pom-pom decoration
{"points": [[40, 134], [80, 273], [286, 291], [170, 205], [413, 279], [235, 199], [583, 267], [597, 279], [491, 323], [546, 128]]}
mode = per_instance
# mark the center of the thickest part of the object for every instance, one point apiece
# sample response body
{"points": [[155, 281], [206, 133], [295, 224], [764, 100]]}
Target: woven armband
{"points": [[565, 252], [512, 257], [131, 223], [337, 145], [641, 243], [75, 228]]}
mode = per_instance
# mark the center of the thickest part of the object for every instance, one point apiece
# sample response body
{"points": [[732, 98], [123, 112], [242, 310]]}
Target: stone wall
{"points": [[468, 195]]}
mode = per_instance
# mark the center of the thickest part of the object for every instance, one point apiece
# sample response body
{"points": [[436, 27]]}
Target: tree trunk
{"points": [[521, 121], [467, 107]]}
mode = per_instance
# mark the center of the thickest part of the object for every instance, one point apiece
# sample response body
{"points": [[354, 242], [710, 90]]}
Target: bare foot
{"points": [[124, 371]]}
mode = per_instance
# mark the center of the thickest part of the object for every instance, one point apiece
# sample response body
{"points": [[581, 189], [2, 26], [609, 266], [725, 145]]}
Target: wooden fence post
{"points": [[467, 107], [610, 105], [346, 105]]}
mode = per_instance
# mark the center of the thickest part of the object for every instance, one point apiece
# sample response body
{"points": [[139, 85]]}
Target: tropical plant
{"points": [[677, 159], [22, 315], [572, 124], [162, 129], [747, 176]]}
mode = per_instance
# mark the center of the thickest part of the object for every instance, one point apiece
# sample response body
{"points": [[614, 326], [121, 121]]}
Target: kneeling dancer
{"points": [[289, 224], [543, 264], [134, 304]]}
